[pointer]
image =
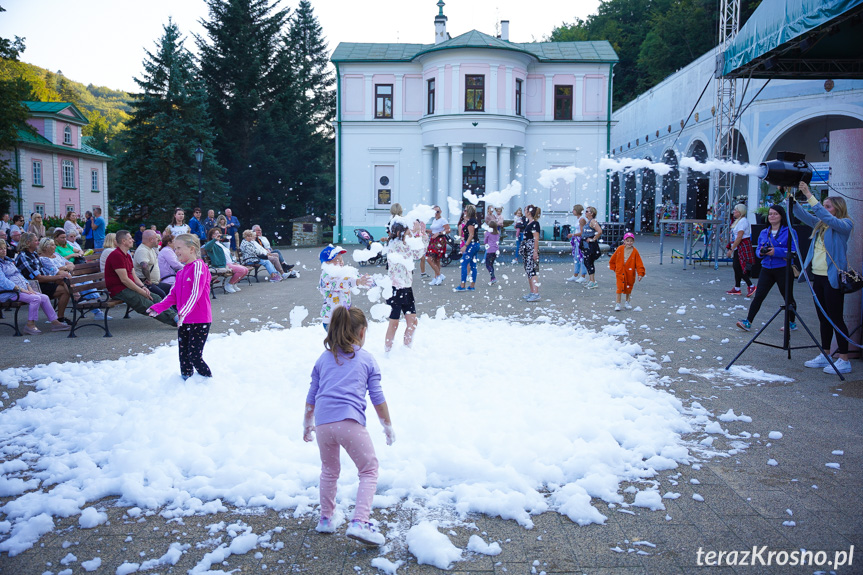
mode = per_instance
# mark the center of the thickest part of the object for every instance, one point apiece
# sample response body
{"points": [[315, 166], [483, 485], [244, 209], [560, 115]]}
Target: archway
{"points": [[648, 198], [613, 216], [629, 201], [697, 185], [667, 206]]}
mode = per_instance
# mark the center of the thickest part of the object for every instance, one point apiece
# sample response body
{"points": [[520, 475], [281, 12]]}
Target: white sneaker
{"points": [[533, 297], [818, 361], [442, 277], [237, 287], [617, 307], [572, 279], [592, 285], [627, 305], [842, 366], [326, 525], [365, 533], [580, 280], [229, 288]]}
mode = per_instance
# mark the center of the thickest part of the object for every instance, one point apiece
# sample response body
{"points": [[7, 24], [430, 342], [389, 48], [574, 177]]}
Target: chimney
{"points": [[440, 34], [504, 30]]}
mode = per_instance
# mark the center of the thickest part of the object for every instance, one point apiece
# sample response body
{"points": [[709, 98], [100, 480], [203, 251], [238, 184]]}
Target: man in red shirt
{"points": [[124, 285]]}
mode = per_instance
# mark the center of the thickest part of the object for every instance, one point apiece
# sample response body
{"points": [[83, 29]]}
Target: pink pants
{"points": [[356, 441], [35, 300], [239, 272]]}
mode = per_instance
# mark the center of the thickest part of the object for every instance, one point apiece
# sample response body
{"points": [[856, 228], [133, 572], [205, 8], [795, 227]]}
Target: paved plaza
{"points": [[778, 493]]}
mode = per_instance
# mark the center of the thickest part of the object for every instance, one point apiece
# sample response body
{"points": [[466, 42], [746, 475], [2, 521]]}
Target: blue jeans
{"points": [[469, 258], [517, 246], [268, 266], [580, 268]]}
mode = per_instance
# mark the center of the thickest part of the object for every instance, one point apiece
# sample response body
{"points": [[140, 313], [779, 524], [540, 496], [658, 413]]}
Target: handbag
{"points": [[849, 280]]}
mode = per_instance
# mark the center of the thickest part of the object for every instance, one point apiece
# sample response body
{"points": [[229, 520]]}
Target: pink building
{"points": [[59, 171]]}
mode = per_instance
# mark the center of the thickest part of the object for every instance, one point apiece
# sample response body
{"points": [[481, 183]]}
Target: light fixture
{"points": [[199, 155], [788, 170], [473, 163], [824, 145]]}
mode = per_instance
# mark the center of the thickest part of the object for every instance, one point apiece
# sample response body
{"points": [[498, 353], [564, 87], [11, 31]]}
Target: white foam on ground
{"points": [[497, 440]]}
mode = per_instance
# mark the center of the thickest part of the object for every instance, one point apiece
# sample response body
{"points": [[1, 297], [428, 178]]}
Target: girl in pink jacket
{"points": [[191, 294]]}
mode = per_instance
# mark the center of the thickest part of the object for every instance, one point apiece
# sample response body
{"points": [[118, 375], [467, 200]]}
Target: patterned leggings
{"points": [[192, 337]]}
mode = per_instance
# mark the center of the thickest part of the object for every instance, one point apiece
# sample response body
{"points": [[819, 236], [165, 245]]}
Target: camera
{"points": [[763, 251]]}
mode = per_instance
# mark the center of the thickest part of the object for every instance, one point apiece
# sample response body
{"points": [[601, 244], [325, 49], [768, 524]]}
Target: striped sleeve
{"points": [[195, 295]]}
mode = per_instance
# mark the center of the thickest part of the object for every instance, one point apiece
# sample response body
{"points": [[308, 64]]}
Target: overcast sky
{"points": [[102, 41]]}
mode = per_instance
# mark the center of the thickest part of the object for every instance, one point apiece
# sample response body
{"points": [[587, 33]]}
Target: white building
{"points": [[420, 123], [779, 115]]}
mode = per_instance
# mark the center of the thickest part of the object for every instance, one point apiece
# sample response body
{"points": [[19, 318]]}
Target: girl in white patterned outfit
{"points": [[404, 247], [337, 283]]}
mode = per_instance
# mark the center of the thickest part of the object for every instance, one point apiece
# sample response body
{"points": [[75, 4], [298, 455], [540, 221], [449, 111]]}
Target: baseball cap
{"points": [[330, 252], [628, 235]]}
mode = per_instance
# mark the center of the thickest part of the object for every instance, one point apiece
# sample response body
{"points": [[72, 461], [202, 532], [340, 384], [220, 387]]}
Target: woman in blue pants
{"points": [[469, 249]]}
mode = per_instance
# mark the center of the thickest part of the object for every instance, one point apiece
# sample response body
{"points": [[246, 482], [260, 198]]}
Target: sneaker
{"points": [[492, 282], [66, 327], [276, 277], [365, 533], [750, 291], [471, 288], [744, 324], [580, 279], [592, 285], [424, 275], [237, 287], [533, 297], [791, 326], [325, 525], [842, 366], [627, 305], [229, 288], [437, 281], [442, 277], [617, 307], [460, 288], [31, 330], [734, 291], [572, 279], [99, 314], [818, 361], [526, 296]]}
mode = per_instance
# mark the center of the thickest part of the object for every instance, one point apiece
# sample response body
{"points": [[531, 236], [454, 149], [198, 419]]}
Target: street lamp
{"points": [[824, 145], [199, 157]]}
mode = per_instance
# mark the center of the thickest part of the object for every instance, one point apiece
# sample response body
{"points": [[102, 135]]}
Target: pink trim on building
{"points": [[38, 125], [447, 93], [595, 101], [534, 95], [353, 95]]}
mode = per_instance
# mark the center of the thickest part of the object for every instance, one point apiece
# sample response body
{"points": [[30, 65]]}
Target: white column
{"points": [[457, 103], [398, 101], [682, 192], [456, 188], [509, 86], [491, 100], [504, 169], [428, 195], [370, 98], [549, 98], [638, 197], [491, 181], [520, 169], [442, 176]]}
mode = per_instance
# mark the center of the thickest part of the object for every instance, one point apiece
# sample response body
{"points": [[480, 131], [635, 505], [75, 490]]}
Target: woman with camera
{"points": [[827, 256], [740, 251], [774, 243]]}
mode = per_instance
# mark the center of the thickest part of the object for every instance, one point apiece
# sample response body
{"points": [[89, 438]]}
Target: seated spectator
{"points": [[65, 249], [71, 224], [262, 240], [5, 226], [20, 290], [122, 283], [14, 238], [49, 257], [36, 226], [253, 253], [147, 264], [110, 246], [169, 265], [219, 255], [72, 240], [31, 267], [222, 225]]}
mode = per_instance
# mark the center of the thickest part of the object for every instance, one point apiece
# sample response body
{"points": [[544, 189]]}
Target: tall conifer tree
{"points": [[158, 171]]}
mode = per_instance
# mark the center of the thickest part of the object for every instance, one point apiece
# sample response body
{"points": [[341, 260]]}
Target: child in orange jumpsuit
{"points": [[626, 263]]}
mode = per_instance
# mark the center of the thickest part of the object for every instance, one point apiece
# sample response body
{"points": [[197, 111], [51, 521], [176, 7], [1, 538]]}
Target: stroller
{"points": [[365, 239], [453, 252]]}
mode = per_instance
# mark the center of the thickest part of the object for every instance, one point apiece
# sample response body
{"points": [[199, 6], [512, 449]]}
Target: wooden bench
{"points": [[218, 275], [87, 279], [8, 306]]}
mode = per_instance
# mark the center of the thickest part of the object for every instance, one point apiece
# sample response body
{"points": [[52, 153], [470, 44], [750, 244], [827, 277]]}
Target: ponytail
{"points": [[345, 331]]}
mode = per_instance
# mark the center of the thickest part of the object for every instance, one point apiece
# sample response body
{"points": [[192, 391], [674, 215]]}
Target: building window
{"points": [[431, 96], [39, 209], [37, 172], [563, 102], [68, 174], [70, 208], [67, 136], [518, 85], [94, 180], [474, 93], [383, 100]]}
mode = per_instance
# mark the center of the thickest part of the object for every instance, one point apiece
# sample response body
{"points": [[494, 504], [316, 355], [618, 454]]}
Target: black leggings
{"points": [[768, 278], [192, 337], [489, 262], [739, 274], [833, 302], [591, 254]]}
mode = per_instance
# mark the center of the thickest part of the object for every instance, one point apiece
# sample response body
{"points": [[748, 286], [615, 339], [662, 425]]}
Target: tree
{"points": [[157, 170], [13, 117], [241, 69]]}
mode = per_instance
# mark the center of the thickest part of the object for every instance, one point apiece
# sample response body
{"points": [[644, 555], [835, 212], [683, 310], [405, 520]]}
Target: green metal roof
{"points": [[54, 109], [798, 38], [600, 51], [33, 139]]}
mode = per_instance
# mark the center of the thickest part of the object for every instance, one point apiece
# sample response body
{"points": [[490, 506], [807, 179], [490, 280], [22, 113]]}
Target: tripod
{"points": [[787, 307]]}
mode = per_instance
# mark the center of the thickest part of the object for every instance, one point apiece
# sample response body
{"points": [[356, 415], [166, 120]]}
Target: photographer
{"points": [[827, 255], [773, 245]]}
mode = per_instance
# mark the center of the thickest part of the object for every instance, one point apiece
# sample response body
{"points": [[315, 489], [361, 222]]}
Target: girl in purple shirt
{"points": [[335, 410]]}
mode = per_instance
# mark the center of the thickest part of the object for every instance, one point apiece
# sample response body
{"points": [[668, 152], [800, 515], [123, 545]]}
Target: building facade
{"points": [[421, 123], [669, 122], [59, 171]]}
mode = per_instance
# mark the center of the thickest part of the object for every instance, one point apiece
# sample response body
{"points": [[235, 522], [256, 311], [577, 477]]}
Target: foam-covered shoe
{"points": [[325, 525], [365, 533]]}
